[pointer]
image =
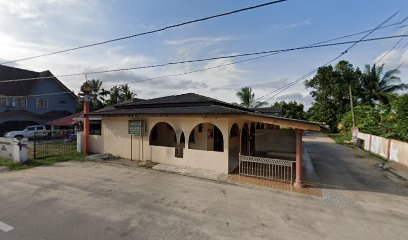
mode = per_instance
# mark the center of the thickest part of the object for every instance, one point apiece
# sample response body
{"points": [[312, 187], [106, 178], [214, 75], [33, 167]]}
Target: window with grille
{"points": [[20, 102], [42, 103], [3, 101]]}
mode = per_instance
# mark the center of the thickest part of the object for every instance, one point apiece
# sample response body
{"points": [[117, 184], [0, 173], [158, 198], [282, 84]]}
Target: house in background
{"points": [[38, 101]]}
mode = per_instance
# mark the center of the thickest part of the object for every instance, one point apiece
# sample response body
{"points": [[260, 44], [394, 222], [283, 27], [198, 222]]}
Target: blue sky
{"points": [[35, 27]]}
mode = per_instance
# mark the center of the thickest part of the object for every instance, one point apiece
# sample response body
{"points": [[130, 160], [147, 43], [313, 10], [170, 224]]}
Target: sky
{"points": [[31, 27]]}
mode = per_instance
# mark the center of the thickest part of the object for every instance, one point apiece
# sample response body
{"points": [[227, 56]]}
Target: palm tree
{"points": [[114, 96], [380, 87], [119, 94], [98, 94], [248, 98], [126, 93]]}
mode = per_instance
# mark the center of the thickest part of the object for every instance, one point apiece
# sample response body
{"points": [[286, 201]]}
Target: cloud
{"points": [[394, 58], [302, 23], [50, 25], [201, 40], [306, 100]]}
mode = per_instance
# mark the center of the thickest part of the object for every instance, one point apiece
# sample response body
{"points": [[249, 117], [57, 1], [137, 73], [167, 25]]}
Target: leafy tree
{"points": [[248, 98], [119, 94], [379, 86], [390, 121], [291, 109], [368, 119], [126, 93], [98, 94], [401, 110], [330, 89]]}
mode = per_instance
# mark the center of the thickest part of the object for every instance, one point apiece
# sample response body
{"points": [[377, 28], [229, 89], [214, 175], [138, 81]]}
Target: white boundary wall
{"points": [[13, 149], [387, 148]]}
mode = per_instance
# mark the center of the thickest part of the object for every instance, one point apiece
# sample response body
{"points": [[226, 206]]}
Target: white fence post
{"points": [[14, 149], [80, 140]]}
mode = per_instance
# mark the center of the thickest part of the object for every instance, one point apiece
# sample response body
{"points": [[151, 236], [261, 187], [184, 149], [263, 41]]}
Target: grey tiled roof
{"points": [[184, 104], [24, 88]]}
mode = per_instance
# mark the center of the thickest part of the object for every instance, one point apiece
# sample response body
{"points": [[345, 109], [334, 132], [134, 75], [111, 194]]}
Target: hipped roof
{"points": [[195, 104]]}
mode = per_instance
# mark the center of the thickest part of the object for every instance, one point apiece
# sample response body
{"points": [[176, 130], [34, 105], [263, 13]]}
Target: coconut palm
{"points": [[126, 93], [119, 94], [98, 94], [379, 86], [248, 98]]}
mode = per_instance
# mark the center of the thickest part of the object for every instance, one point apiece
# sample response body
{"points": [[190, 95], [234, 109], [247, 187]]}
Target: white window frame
{"points": [[41, 106]]}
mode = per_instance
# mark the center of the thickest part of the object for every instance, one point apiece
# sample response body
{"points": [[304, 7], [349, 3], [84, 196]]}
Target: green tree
{"points": [[368, 119], [401, 113], [248, 98], [379, 86], [291, 109], [330, 89], [119, 94], [98, 94], [126, 93]]}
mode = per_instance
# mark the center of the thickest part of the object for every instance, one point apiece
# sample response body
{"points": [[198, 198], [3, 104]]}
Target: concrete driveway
{"points": [[77, 200]]}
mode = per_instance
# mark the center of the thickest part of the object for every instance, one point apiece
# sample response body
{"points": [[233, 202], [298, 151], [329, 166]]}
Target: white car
{"points": [[28, 132]]}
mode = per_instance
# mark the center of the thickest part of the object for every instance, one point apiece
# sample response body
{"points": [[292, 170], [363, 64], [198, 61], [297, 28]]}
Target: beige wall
{"points": [[116, 140], [97, 143], [397, 150]]}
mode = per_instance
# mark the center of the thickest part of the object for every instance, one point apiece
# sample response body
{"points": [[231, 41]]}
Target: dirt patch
{"points": [[251, 181]]}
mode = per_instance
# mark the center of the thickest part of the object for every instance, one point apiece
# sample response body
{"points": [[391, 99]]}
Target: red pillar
{"points": [[299, 158], [86, 125]]}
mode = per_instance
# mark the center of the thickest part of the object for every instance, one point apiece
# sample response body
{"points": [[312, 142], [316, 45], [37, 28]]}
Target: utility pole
{"points": [[352, 113], [86, 90], [351, 105]]}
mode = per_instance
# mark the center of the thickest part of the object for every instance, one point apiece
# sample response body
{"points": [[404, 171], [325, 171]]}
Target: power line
{"points": [[264, 56], [209, 59], [334, 59], [393, 47], [146, 33]]}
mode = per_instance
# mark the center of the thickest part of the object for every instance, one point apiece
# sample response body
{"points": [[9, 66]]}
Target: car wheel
{"points": [[19, 137]]}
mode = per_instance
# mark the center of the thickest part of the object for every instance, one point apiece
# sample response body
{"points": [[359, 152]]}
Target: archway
{"points": [[206, 136], [163, 134], [244, 139], [233, 149]]}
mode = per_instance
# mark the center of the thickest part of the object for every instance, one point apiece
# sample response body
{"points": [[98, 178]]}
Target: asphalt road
{"points": [[98, 201]]}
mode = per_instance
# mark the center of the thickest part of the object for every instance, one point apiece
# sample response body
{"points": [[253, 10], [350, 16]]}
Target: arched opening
{"points": [[206, 136], [163, 134], [258, 125], [252, 140], [244, 139], [233, 150]]}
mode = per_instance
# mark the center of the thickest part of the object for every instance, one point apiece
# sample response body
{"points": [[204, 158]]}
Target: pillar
{"points": [[299, 158], [86, 125]]}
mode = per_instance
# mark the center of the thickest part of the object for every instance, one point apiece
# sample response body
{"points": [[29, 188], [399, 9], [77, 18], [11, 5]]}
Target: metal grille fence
{"points": [[268, 168], [54, 142]]}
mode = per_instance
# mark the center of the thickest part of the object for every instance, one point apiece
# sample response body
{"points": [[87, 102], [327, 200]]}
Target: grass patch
{"points": [[148, 164], [46, 161], [341, 138]]}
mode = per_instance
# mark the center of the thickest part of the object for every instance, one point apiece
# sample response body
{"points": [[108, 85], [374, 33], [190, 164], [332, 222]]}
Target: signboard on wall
{"points": [[136, 127]]}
